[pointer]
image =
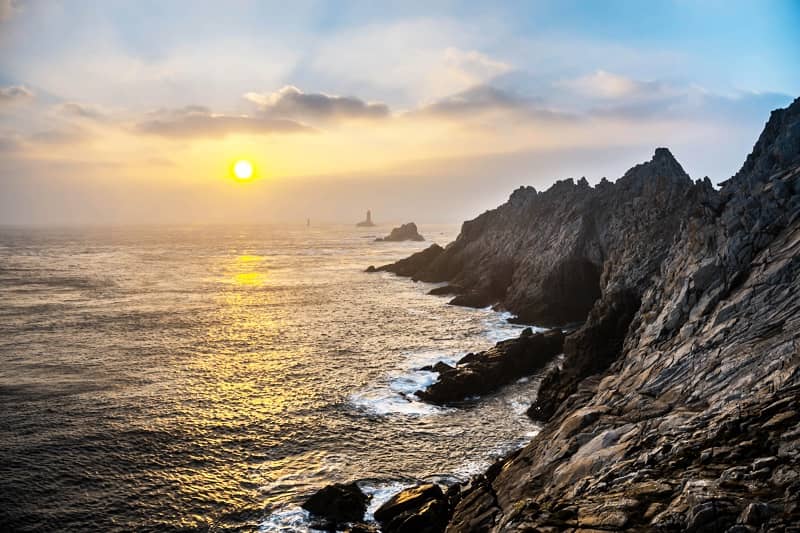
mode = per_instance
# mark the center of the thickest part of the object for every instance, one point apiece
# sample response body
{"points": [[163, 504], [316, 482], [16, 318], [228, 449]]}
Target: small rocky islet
{"points": [[677, 405], [404, 232]]}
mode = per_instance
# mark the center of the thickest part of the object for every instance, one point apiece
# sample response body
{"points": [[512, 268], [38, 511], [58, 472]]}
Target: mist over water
{"points": [[212, 377]]}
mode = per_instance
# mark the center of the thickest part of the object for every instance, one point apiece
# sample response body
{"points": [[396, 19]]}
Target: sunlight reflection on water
{"points": [[197, 376]]}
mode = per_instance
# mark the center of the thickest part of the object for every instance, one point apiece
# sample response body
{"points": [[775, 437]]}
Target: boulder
{"points": [[338, 504], [406, 232], [483, 372], [420, 509]]}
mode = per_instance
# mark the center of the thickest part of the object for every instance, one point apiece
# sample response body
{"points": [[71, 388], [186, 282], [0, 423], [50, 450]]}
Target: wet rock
{"points": [[406, 232], [338, 504], [445, 290], [484, 372], [439, 367], [422, 509]]}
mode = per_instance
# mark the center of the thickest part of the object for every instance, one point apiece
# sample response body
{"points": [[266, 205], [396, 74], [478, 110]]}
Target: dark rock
{"points": [[484, 372], [755, 514], [588, 351], [582, 240], [338, 503], [711, 516], [406, 232], [419, 509], [677, 407], [413, 263], [439, 367], [445, 290]]}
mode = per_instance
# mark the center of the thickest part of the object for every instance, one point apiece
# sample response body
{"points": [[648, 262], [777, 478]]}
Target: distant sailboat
{"points": [[368, 222]]}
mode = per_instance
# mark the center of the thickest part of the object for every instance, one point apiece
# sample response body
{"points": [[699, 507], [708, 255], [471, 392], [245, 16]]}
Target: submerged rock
{"points": [[420, 509], [406, 232], [484, 372], [337, 504]]}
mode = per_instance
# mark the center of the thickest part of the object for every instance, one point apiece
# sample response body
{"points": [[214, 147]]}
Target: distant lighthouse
{"points": [[368, 221]]}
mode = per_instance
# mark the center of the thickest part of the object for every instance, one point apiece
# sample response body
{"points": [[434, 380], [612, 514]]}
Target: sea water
{"points": [[213, 377]]}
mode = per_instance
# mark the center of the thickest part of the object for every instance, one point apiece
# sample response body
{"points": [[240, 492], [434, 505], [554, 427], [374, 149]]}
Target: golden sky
{"points": [[135, 112]]}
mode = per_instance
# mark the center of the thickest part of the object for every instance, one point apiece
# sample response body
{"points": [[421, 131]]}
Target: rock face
{"points": [[484, 372], [421, 509], [337, 504], [550, 256], [406, 232], [678, 406], [411, 264]]}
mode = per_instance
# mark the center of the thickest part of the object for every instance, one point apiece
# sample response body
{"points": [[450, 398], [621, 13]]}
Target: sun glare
{"points": [[243, 170]]}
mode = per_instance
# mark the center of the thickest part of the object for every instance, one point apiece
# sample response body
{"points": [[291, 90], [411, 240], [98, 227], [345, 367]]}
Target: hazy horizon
{"points": [[425, 112]]}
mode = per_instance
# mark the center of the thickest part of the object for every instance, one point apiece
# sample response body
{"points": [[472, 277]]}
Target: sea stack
{"points": [[406, 232], [368, 222]]}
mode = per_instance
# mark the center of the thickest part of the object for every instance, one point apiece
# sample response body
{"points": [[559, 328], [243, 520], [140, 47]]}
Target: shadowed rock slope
{"points": [[548, 256], [678, 405], [695, 425]]}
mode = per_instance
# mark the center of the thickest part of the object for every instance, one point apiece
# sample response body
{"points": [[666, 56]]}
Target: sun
{"points": [[243, 169]]}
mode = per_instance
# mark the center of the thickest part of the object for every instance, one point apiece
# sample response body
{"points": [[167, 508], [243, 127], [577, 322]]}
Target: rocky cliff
{"points": [[678, 405]]}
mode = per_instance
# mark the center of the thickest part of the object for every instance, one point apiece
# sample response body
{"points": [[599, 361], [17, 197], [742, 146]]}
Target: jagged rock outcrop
{"points": [[483, 372], [405, 232], [688, 418], [549, 256]]}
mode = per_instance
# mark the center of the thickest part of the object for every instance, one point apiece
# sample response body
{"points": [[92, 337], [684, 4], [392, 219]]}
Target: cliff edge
{"points": [[678, 404]]}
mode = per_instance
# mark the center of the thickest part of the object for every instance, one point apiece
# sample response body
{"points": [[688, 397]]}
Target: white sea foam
{"points": [[380, 494], [499, 328], [395, 395], [291, 519]]}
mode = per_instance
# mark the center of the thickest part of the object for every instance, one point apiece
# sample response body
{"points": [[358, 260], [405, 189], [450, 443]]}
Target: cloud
{"points": [[292, 103], [608, 86], [475, 100], [9, 144], [8, 8], [484, 99], [81, 111], [14, 94], [406, 61], [198, 121], [58, 136], [474, 67]]}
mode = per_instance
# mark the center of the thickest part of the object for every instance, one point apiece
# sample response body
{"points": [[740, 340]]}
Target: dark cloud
{"points": [[198, 121], [14, 94], [291, 103]]}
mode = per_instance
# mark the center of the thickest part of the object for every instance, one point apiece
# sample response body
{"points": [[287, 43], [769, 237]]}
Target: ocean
{"points": [[210, 378]]}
